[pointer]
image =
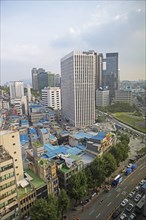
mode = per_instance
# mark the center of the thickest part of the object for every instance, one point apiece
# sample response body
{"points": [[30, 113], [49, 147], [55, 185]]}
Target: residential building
{"points": [[30, 189], [66, 167], [51, 97], [8, 187], [123, 96], [10, 140], [102, 97], [44, 134], [16, 89], [47, 171], [78, 73]]}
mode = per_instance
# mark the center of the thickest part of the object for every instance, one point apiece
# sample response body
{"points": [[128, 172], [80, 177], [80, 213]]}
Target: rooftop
{"points": [[36, 182], [80, 135]]}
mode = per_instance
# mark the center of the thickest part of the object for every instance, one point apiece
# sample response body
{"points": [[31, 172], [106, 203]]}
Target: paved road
{"points": [[104, 205]]}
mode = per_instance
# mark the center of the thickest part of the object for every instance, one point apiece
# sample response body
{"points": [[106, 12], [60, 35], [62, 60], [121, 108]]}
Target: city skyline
{"points": [[49, 30]]}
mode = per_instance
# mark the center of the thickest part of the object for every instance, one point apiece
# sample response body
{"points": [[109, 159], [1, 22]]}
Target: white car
{"points": [[142, 182], [137, 197], [124, 202], [132, 216], [123, 216]]}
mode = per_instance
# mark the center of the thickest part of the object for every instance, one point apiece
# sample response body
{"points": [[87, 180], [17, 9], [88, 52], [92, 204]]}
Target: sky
{"points": [[39, 33]]}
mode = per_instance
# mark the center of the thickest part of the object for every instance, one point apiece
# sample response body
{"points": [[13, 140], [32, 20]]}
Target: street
{"points": [[105, 204]]}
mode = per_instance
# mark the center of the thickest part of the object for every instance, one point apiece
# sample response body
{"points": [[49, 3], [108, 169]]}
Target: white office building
{"points": [[16, 89], [102, 98], [51, 97], [78, 73], [123, 96]]}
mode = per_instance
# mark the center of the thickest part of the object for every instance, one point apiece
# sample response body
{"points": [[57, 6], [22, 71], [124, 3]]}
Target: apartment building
{"points": [[102, 98], [10, 140], [123, 96], [8, 187]]}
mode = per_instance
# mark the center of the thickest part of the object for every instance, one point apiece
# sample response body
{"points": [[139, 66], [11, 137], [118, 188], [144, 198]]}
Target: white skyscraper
{"points": [[16, 89], [51, 97], [78, 73]]}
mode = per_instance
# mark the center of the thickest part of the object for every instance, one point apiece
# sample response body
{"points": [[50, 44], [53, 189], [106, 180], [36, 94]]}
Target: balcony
{"points": [[7, 180], [9, 197]]}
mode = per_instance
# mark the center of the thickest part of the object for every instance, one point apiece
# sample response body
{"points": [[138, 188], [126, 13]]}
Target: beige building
{"points": [[102, 98], [8, 187], [11, 142], [123, 96]]}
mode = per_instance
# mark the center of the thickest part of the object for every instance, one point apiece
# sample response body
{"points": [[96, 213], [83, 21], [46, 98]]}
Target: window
{"points": [[13, 143], [13, 136], [16, 167], [15, 159], [14, 152], [17, 174]]}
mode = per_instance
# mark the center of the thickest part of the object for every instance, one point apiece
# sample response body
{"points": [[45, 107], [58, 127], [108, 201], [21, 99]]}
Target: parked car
{"points": [[123, 216], [131, 194], [124, 202], [129, 207], [137, 197], [132, 216], [116, 213], [142, 182]]}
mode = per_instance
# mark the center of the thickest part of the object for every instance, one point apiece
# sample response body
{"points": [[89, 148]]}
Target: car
{"points": [[137, 197], [129, 207], [142, 182], [129, 165], [132, 216], [137, 188], [116, 213], [94, 194], [131, 194], [123, 216], [124, 202]]}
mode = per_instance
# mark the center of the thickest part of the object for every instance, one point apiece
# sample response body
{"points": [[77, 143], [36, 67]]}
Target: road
{"points": [[105, 204]]}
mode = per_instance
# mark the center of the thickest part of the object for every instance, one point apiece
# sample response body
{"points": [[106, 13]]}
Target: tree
{"points": [[78, 185], [110, 164], [63, 202], [41, 209]]}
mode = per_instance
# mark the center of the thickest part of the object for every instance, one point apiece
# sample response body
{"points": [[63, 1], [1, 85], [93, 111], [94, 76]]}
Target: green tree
{"points": [[109, 164], [78, 186], [63, 202], [97, 171], [41, 209]]}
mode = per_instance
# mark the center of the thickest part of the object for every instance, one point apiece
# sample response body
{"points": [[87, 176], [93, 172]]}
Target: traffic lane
{"points": [[118, 195]]}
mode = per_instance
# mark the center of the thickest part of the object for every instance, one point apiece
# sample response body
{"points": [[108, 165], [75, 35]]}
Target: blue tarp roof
{"points": [[32, 130], [24, 122], [52, 137], [100, 136], [53, 151], [44, 130], [80, 135], [24, 138]]}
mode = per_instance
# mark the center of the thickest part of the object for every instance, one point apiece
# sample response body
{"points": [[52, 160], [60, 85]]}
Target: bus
{"points": [[117, 179], [140, 205]]}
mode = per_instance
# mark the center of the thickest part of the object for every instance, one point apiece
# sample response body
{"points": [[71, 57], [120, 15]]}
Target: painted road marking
{"points": [[117, 195], [92, 212], [98, 215], [109, 204]]}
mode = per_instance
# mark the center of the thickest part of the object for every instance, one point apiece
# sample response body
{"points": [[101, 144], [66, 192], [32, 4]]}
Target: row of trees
{"points": [[101, 168], [119, 107], [51, 209]]}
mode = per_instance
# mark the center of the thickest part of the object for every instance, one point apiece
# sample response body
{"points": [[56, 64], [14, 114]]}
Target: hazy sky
{"points": [[39, 33]]}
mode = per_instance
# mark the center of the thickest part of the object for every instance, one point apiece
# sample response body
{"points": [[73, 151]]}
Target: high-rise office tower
{"points": [[42, 80], [78, 73], [99, 71], [111, 74], [16, 89], [34, 73], [28, 93]]}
